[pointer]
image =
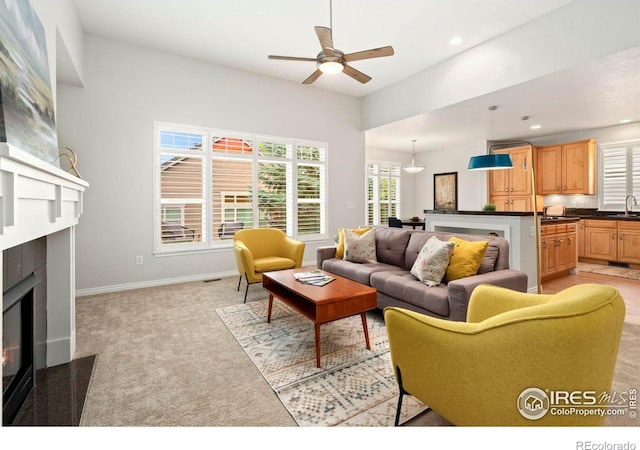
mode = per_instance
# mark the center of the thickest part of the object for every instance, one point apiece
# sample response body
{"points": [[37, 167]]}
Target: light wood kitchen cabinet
{"points": [[566, 168], [601, 239], [558, 249], [510, 190], [572, 245], [581, 239], [629, 242], [549, 169]]}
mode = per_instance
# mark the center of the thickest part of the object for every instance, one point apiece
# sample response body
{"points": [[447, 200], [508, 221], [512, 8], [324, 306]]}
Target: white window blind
{"points": [[311, 199], [238, 180], [383, 191], [231, 183], [620, 173]]}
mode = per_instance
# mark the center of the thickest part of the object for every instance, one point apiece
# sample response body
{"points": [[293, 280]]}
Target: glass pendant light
{"points": [[413, 168]]}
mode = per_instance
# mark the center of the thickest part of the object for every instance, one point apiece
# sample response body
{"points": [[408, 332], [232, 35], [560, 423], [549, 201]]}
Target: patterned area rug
{"points": [[354, 386], [613, 271]]}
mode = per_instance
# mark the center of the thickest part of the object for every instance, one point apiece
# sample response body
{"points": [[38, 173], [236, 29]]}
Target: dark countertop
{"points": [[565, 219], [571, 215], [612, 217], [480, 213]]}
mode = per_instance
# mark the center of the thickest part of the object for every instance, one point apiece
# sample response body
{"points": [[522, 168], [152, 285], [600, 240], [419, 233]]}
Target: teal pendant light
{"points": [[490, 162]]}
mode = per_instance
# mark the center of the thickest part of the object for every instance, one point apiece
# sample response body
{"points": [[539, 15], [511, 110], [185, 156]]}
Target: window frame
{"points": [[632, 185], [376, 202], [209, 242]]}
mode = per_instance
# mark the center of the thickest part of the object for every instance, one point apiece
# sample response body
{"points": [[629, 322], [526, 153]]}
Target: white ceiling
{"points": [[241, 33]]}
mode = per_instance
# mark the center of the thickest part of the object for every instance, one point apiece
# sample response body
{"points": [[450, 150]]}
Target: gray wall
{"points": [[109, 123]]}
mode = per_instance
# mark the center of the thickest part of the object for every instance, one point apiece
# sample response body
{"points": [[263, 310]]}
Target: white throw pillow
{"points": [[360, 248], [432, 261]]}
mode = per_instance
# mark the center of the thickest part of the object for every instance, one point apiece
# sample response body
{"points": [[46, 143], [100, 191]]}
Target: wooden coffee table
{"points": [[321, 304]]}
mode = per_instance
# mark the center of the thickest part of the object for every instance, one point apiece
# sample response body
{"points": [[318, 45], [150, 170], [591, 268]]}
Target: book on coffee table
{"points": [[314, 277]]}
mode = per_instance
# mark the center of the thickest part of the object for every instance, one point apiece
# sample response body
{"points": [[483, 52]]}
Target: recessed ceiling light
{"points": [[455, 40], [536, 127], [625, 121]]}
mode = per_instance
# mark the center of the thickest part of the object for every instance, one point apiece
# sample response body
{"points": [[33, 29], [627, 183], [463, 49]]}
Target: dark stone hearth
{"points": [[59, 396]]}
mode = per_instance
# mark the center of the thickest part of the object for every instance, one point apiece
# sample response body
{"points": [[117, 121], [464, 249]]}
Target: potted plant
{"points": [[489, 207]]}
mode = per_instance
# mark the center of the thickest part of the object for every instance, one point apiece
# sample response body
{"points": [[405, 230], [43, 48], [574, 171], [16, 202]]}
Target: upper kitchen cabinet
{"points": [[510, 190], [567, 168]]}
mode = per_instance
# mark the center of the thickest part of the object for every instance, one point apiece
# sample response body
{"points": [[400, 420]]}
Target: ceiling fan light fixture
{"points": [[331, 67]]}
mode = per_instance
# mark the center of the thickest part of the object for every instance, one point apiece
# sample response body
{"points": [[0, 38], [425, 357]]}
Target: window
{"points": [[620, 174], [237, 207], [383, 192], [214, 182]]}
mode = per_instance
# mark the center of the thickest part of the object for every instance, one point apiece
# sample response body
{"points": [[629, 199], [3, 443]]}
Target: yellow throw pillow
{"points": [[340, 247], [466, 258]]}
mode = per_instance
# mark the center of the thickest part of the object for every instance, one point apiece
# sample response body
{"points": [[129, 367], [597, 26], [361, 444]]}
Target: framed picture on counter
{"points": [[445, 191]]}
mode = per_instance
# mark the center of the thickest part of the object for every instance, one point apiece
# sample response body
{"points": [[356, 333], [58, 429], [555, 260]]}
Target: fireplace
{"points": [[40, 207], [18, 346]]}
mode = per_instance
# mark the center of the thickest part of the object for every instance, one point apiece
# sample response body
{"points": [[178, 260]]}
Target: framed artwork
{"points": [[445, 191], [27, 119]]}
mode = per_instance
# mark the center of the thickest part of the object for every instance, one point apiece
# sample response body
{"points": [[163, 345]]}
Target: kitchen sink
{"points": [[631, 215]]}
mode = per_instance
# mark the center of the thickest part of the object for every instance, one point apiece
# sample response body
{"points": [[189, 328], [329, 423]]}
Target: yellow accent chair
{"points": [[474, 373], [260, 250]]}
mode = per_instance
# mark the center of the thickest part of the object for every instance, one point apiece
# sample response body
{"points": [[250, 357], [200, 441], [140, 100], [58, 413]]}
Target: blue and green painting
{"points": [[27, 119]]}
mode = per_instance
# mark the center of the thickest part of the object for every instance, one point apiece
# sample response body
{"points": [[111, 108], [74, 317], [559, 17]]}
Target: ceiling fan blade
{"points": [[356, 74], [313, 77], [292, 58], [326, 41], [368, 54]]}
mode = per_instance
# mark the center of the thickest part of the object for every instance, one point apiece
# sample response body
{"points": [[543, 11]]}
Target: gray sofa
{"points": [[397, 250]]}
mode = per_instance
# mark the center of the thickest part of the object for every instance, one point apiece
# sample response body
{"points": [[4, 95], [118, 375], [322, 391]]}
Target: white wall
{"points": [[582, 31], [109, 123], [472, 185]]}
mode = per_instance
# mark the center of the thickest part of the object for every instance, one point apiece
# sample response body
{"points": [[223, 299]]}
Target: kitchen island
{"points": [[517, 227]]}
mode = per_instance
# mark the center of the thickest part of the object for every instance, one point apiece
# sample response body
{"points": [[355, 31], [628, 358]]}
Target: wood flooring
{"points": [[629, 289]]}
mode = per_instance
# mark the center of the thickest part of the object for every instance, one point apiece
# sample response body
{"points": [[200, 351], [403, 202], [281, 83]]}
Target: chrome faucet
{"points": [[627, 210]]}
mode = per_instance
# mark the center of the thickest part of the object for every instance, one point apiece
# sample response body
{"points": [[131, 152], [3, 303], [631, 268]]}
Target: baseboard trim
{"points": [[161, 282], [152, 283], [60, 351]]}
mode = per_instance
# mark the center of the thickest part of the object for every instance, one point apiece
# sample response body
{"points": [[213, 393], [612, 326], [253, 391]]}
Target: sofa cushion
{"points": [[391, 245], [489, 259], [357, 272], [360, 248], [432, 261], [269, 263], [404, 286], [340, 246], [466, 258]]}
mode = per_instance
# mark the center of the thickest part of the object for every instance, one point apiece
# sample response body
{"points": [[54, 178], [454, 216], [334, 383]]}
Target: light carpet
{"points": [[354, 386], [613, 271]]}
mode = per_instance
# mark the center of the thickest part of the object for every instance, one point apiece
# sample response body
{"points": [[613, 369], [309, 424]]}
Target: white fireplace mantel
{"points": [[36, 198]]}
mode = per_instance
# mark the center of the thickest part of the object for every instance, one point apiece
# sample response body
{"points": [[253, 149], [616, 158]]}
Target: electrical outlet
{"points": [[139, 260]]}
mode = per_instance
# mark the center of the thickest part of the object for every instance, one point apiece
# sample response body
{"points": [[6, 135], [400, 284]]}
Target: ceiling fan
{"points": [[332, 60]]}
